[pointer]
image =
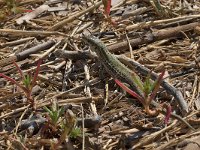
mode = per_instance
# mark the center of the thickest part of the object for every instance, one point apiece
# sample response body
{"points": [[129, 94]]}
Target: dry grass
{"points": [[84, 111]]}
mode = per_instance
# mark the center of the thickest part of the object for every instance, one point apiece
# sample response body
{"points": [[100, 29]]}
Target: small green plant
{"points": [[28, 82], [149, 92], [54, 115], [76, 132], [68, 125], [60, 123]]}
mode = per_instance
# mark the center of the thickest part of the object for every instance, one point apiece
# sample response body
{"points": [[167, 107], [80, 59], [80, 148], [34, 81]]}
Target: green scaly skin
{"points": [[112, 65], [119, 71]]}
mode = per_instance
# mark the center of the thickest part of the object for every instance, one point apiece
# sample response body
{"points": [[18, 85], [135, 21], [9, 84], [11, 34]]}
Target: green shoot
{"points": [[68, 125], [54, 114], [147, 86], [137, 81], [28, 83], [149, 91], [60, 122], [155, 87], [76, 132]]}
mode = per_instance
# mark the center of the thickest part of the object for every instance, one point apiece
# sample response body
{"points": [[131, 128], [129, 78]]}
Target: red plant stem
{"points": [[11, 80], [151, 112], [169, 111], [19, 70], [37, 72], [130, 91], [157, 86], [107, 5]]}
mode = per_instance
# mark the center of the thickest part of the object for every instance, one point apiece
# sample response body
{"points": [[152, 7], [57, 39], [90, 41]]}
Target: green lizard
{"points": [[118, 70]]}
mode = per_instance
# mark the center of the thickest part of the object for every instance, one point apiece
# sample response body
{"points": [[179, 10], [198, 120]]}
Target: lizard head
{"points": [[94, 43]]}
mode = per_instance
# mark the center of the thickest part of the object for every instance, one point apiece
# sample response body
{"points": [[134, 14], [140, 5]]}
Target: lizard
{"points": [[118, 70]]}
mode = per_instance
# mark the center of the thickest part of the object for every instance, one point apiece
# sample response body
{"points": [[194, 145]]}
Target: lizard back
{"points": [[112, 65]]}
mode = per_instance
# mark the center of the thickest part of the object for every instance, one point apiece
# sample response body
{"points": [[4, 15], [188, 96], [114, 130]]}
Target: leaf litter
{"points": [[76, 105]]}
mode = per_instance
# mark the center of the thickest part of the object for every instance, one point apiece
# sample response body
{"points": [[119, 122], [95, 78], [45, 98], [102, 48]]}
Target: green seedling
{"points": [[54, 116], [28, 82], [61, 123], [68, 125], [76, 132], [149, 92]]}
